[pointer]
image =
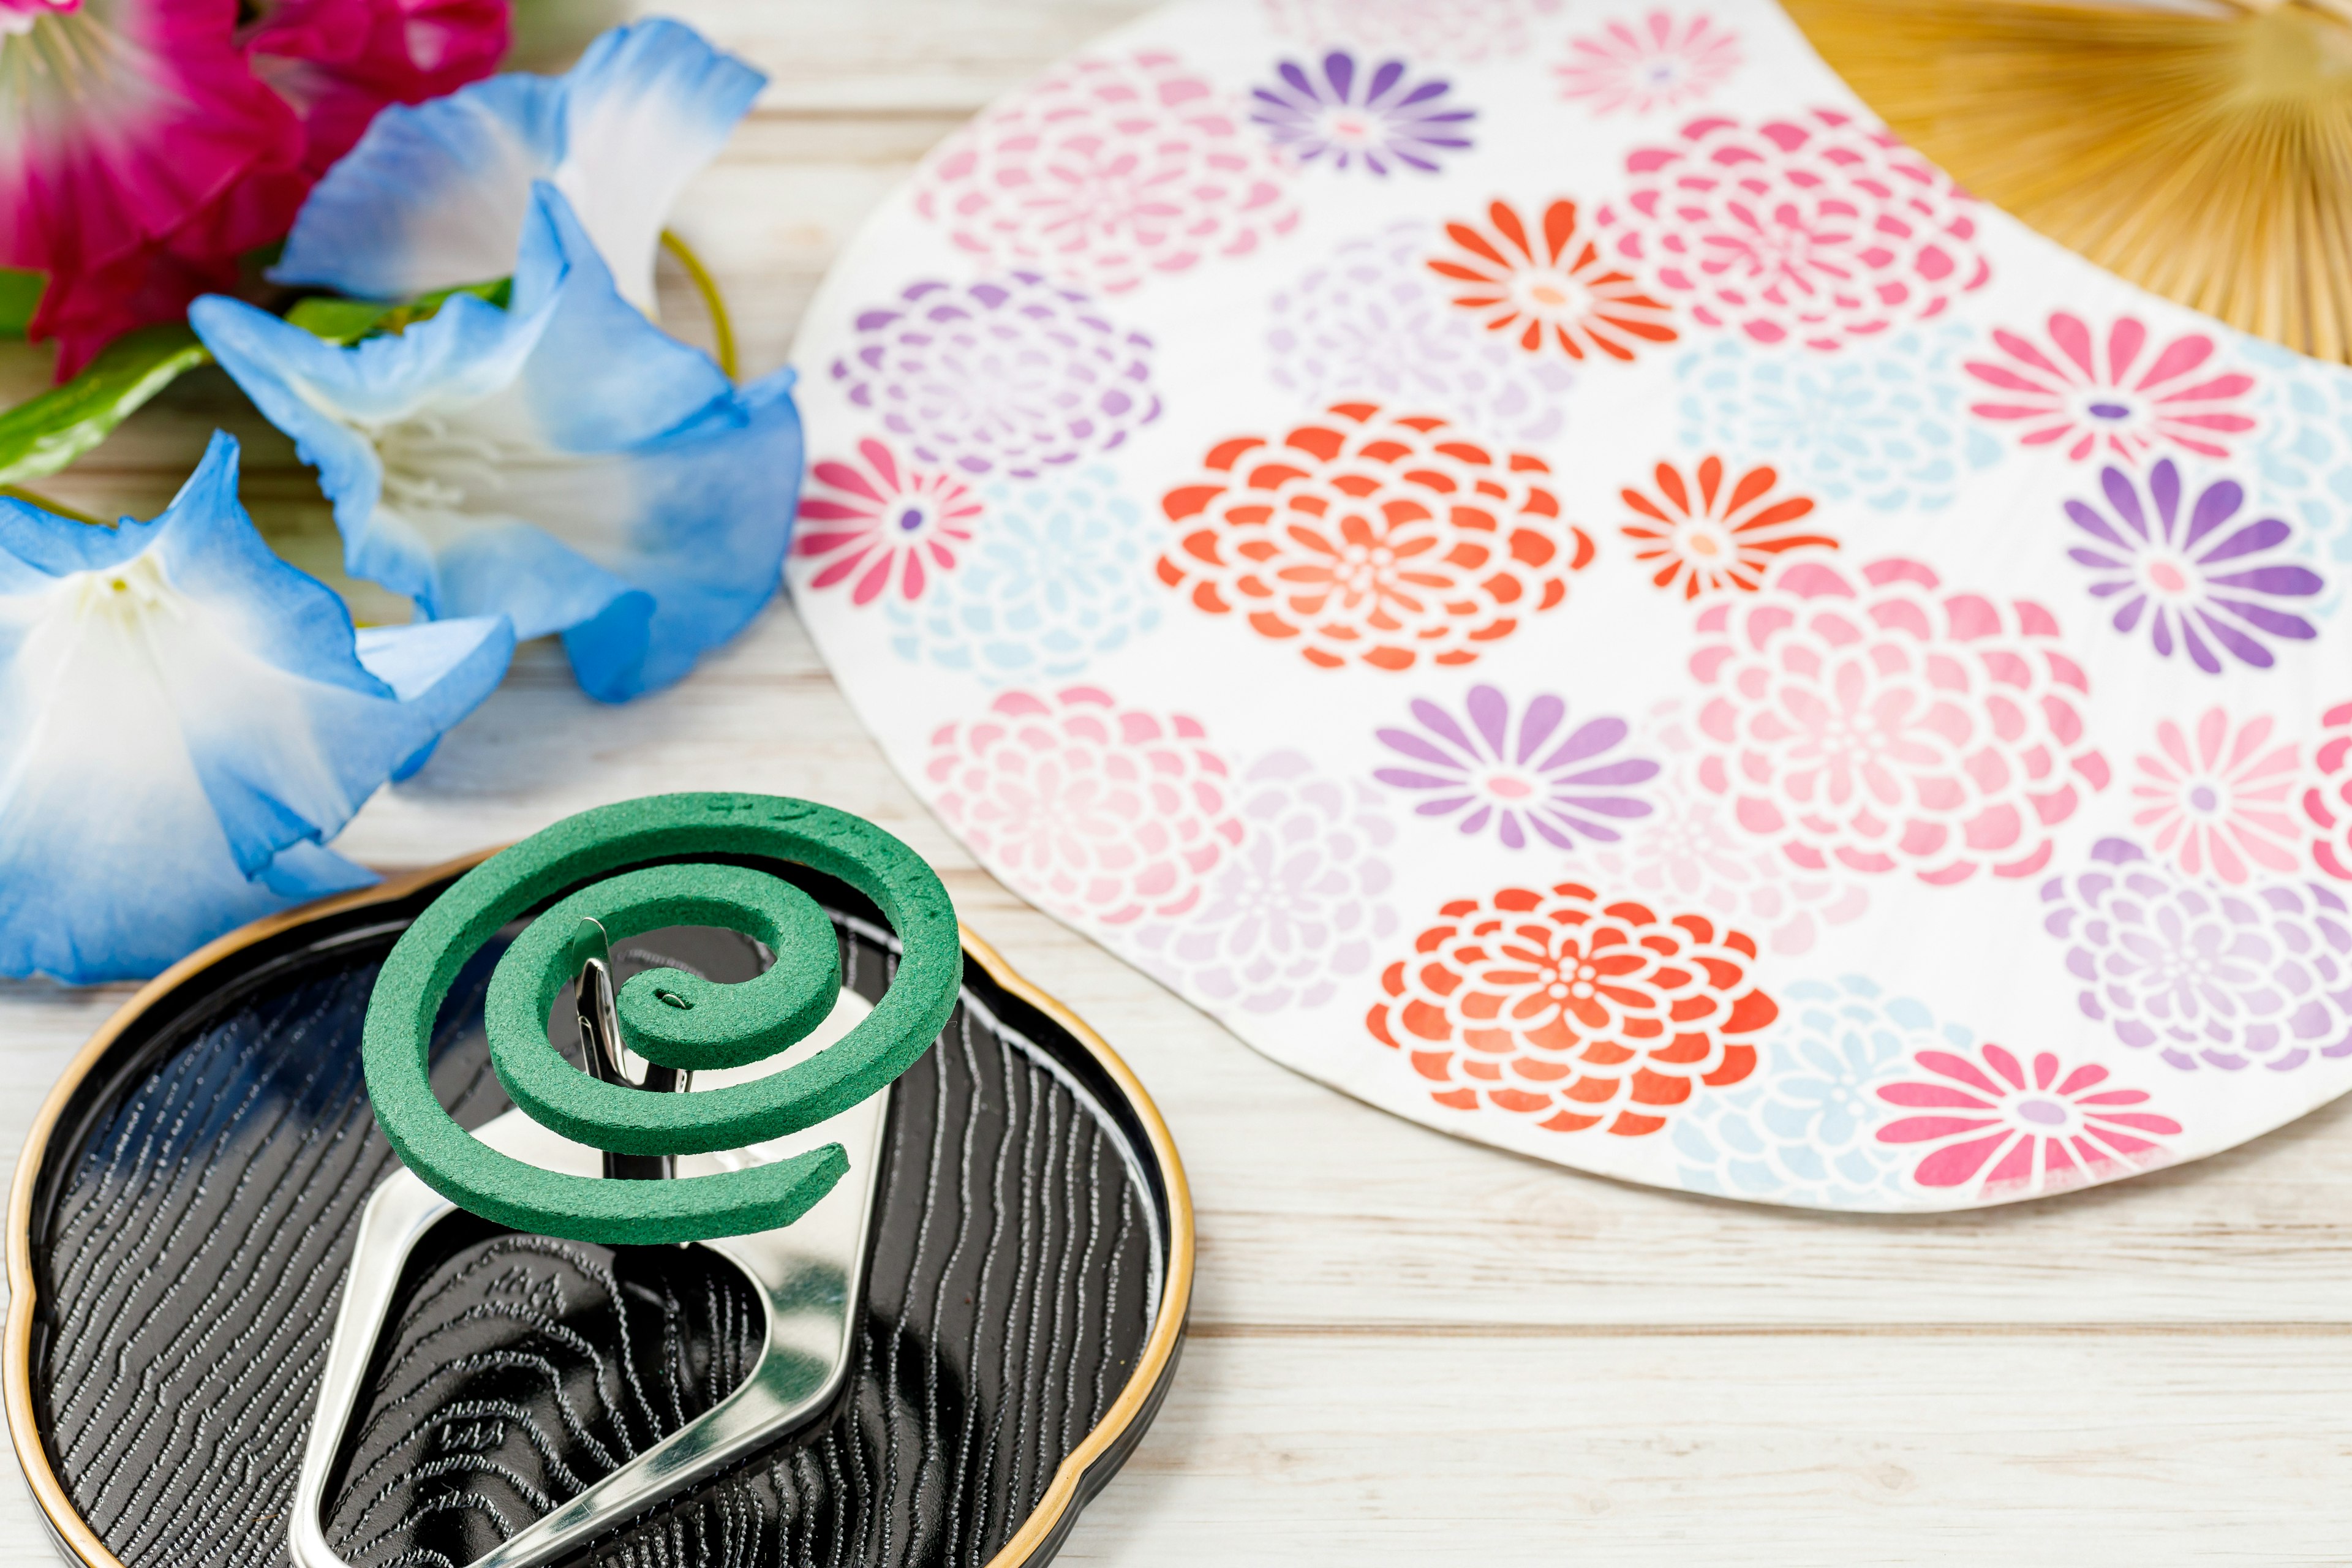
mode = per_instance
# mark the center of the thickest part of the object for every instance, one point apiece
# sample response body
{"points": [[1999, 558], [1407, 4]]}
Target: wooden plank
{"points": [[1735, 1449]]}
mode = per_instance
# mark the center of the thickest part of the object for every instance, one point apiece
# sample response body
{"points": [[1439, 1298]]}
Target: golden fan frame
{"points": [[2203, 151]]}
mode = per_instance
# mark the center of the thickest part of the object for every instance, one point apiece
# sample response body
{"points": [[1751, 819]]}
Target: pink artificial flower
{"points": [[2221, 805], [339, 61], [2092, 396], [141, 155], [2044, 1132], [882, 523]]}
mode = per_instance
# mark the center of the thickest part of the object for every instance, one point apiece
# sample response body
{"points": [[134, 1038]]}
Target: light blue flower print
{"points": [[1058, 574], [1887, 426], [1800, 1130], [185, 720], [2301, 453]]}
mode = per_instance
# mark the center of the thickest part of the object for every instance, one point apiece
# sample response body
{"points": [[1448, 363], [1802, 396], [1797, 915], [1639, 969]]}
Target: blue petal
{"points": [[183, 720], [435, 195], [563, 463]]}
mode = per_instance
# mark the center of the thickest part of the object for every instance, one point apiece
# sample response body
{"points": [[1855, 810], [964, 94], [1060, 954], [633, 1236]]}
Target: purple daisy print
{"points": [[2209, 586], [1012, 375], [1378, 118], [1518, 771]]}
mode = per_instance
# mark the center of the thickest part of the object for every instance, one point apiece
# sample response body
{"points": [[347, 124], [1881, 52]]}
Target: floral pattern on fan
{"points": [[1061, 576], [1299, 906], [1817, 230], [1803, 1129], [2326, 800], [1554, 1005], [1692, 853], [1011, 374], [876, 523], [1706, 536], [2221, 805], [1863, 717], [1518, 773], [1468, 31], [1378, 117], [1372, 322], [2302, 451], [1882, 425], [2089, 397], [2205, 587], [1549, 292], [1374, 538], [1995, 1122], [1655, 61], [2203, 977], [1095, 811], [1108, 172]]}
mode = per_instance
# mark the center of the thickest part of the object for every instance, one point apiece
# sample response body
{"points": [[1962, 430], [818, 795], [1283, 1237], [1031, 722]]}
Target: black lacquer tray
{"points": [[182, 1217]]}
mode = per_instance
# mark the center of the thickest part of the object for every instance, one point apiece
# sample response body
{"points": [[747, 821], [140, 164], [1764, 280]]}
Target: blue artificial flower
{"points": [[562, 462], [435, 195], [185, 719]]}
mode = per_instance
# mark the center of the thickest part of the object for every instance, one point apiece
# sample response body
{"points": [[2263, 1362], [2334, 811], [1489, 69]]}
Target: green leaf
{"points": [[342, 320], [43, 435], [337, 321], [20, 295]]}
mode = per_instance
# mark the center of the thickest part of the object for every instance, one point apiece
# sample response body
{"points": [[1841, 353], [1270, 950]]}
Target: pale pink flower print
{"points": [[1817, 229], [2219, 804], [1863, 718], [1109, 172], [1432, 32], [1690, 853], [1649, 62], [2008, 1129], [2116, 397], [878, 523], [1094, 812]]}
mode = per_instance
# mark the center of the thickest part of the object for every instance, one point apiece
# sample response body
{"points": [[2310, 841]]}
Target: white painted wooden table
{"points": [[1404, 1349]]}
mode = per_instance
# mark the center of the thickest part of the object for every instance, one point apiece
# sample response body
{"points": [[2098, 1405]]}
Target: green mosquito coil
{"points": [[634, 868]]}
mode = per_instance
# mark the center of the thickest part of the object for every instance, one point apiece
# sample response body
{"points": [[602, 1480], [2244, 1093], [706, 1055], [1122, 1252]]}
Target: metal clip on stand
{"points": [[808, 1275]]}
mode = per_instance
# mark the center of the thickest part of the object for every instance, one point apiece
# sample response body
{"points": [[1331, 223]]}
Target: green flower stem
{"points": [[722, 330]]}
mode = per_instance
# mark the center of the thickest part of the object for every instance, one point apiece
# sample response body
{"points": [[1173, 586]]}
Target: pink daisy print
{"points": [[1994, 1123], [877, 523], [2115, 397], [1109, 172], [1651, 62], [1816, 229], [2219, 803], [1095, 811]]}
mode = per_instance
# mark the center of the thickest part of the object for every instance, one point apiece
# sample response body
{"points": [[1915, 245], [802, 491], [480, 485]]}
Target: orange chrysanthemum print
{"points": [[1555, 1005], [1370, 537], [1710, 537], [1550, 291]]}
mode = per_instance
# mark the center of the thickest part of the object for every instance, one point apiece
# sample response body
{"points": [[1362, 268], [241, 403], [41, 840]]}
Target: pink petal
{"points": [[1951, 1167]]}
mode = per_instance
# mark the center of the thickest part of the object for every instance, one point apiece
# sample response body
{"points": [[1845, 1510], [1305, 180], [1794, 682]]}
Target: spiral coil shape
{"points": [[634, 868]]}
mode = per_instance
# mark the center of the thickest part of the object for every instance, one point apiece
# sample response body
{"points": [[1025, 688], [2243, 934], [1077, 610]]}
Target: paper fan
{"points": [[1554, 576], [2205, 154]]}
